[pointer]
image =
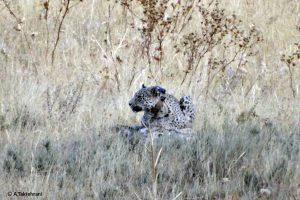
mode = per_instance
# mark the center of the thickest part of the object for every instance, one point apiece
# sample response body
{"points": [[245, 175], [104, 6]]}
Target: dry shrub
{"points": [[292, 60], [213, 44]]}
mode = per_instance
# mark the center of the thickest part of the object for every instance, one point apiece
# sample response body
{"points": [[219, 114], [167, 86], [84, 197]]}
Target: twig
{"points": [[154, 163], [18, 20], [77, 97], [11, 12], [99, 45], [177, 196], [68, 7], [59, 30], [291, 81], [121, 43], [234, 162], [46, 6]]}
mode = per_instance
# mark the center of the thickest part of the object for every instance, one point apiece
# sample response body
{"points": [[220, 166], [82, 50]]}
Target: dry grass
{"points": [[68, 70]]}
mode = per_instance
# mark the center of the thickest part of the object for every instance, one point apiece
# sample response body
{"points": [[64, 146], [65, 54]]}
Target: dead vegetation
{"points": [[69, 68]]}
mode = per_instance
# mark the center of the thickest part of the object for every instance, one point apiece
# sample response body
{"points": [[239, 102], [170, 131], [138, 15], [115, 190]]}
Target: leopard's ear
{"points": [[157, 90], [143, 86], [161, 90]]}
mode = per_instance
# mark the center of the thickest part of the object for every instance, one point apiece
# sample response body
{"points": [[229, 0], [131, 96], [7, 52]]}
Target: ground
{"points": [[69, 68]]}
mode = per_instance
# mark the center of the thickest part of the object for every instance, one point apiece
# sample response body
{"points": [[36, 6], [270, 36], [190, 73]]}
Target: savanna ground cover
{"points": [[68, 69]]}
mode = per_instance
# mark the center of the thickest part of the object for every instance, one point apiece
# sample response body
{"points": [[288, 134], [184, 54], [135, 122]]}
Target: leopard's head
{"points": [[147, 98]]}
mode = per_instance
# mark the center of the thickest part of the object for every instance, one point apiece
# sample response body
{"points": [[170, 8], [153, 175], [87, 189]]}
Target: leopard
{"points": [[161, 109]]}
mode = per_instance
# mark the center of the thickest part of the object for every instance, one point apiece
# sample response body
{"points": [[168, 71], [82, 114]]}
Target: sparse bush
{"points": [[45, 156], [13, 161], [61, 103]]}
